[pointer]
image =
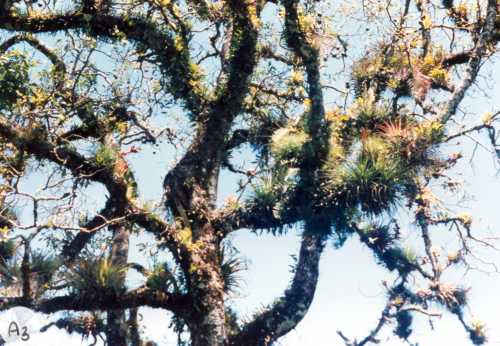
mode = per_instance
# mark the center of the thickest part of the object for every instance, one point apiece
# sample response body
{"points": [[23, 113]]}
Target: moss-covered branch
{"points": [[77, 302]]}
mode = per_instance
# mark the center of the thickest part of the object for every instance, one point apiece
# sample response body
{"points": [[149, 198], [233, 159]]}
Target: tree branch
{"points": [[177, 303], [173, 59], [289, 310], [59, 66], [474, 65]]}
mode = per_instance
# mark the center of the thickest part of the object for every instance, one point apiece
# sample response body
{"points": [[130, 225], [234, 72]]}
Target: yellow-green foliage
{"points": [[264, 193], [439, 75], [391, 68], [162, 279], [340, 138], [375, 149], [186, 236], [97, 277], [105, 156], [287, 143], [383, 66], [336, 155], [371, 178], [367, 113], [431, 65], [374, 179], [429, 132], [367, 67]]}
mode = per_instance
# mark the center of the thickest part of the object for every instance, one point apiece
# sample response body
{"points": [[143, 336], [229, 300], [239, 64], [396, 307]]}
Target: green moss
{"points": [[105, 156]]}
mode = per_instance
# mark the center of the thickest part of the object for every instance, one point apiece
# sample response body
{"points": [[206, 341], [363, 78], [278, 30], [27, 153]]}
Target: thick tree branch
{"points": [[315, 119], [33, 141], [288, 311], [71, 250], [176, 303], [200, 166]]}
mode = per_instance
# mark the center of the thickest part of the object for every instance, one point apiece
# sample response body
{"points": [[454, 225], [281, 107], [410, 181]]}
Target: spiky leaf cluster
{"points": [[97, 276]]}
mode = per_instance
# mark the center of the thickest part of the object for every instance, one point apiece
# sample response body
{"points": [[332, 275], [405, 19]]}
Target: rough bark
{"points": [[116, 331], [134, 336], [207, 324]]}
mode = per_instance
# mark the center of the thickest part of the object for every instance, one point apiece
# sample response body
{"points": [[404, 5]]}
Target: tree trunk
{"points": [[116, 331], [135, 338], [207, 325], [210, 329]]}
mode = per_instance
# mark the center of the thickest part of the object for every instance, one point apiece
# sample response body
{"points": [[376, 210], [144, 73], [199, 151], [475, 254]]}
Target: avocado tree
{"points": [[332, 115]]}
